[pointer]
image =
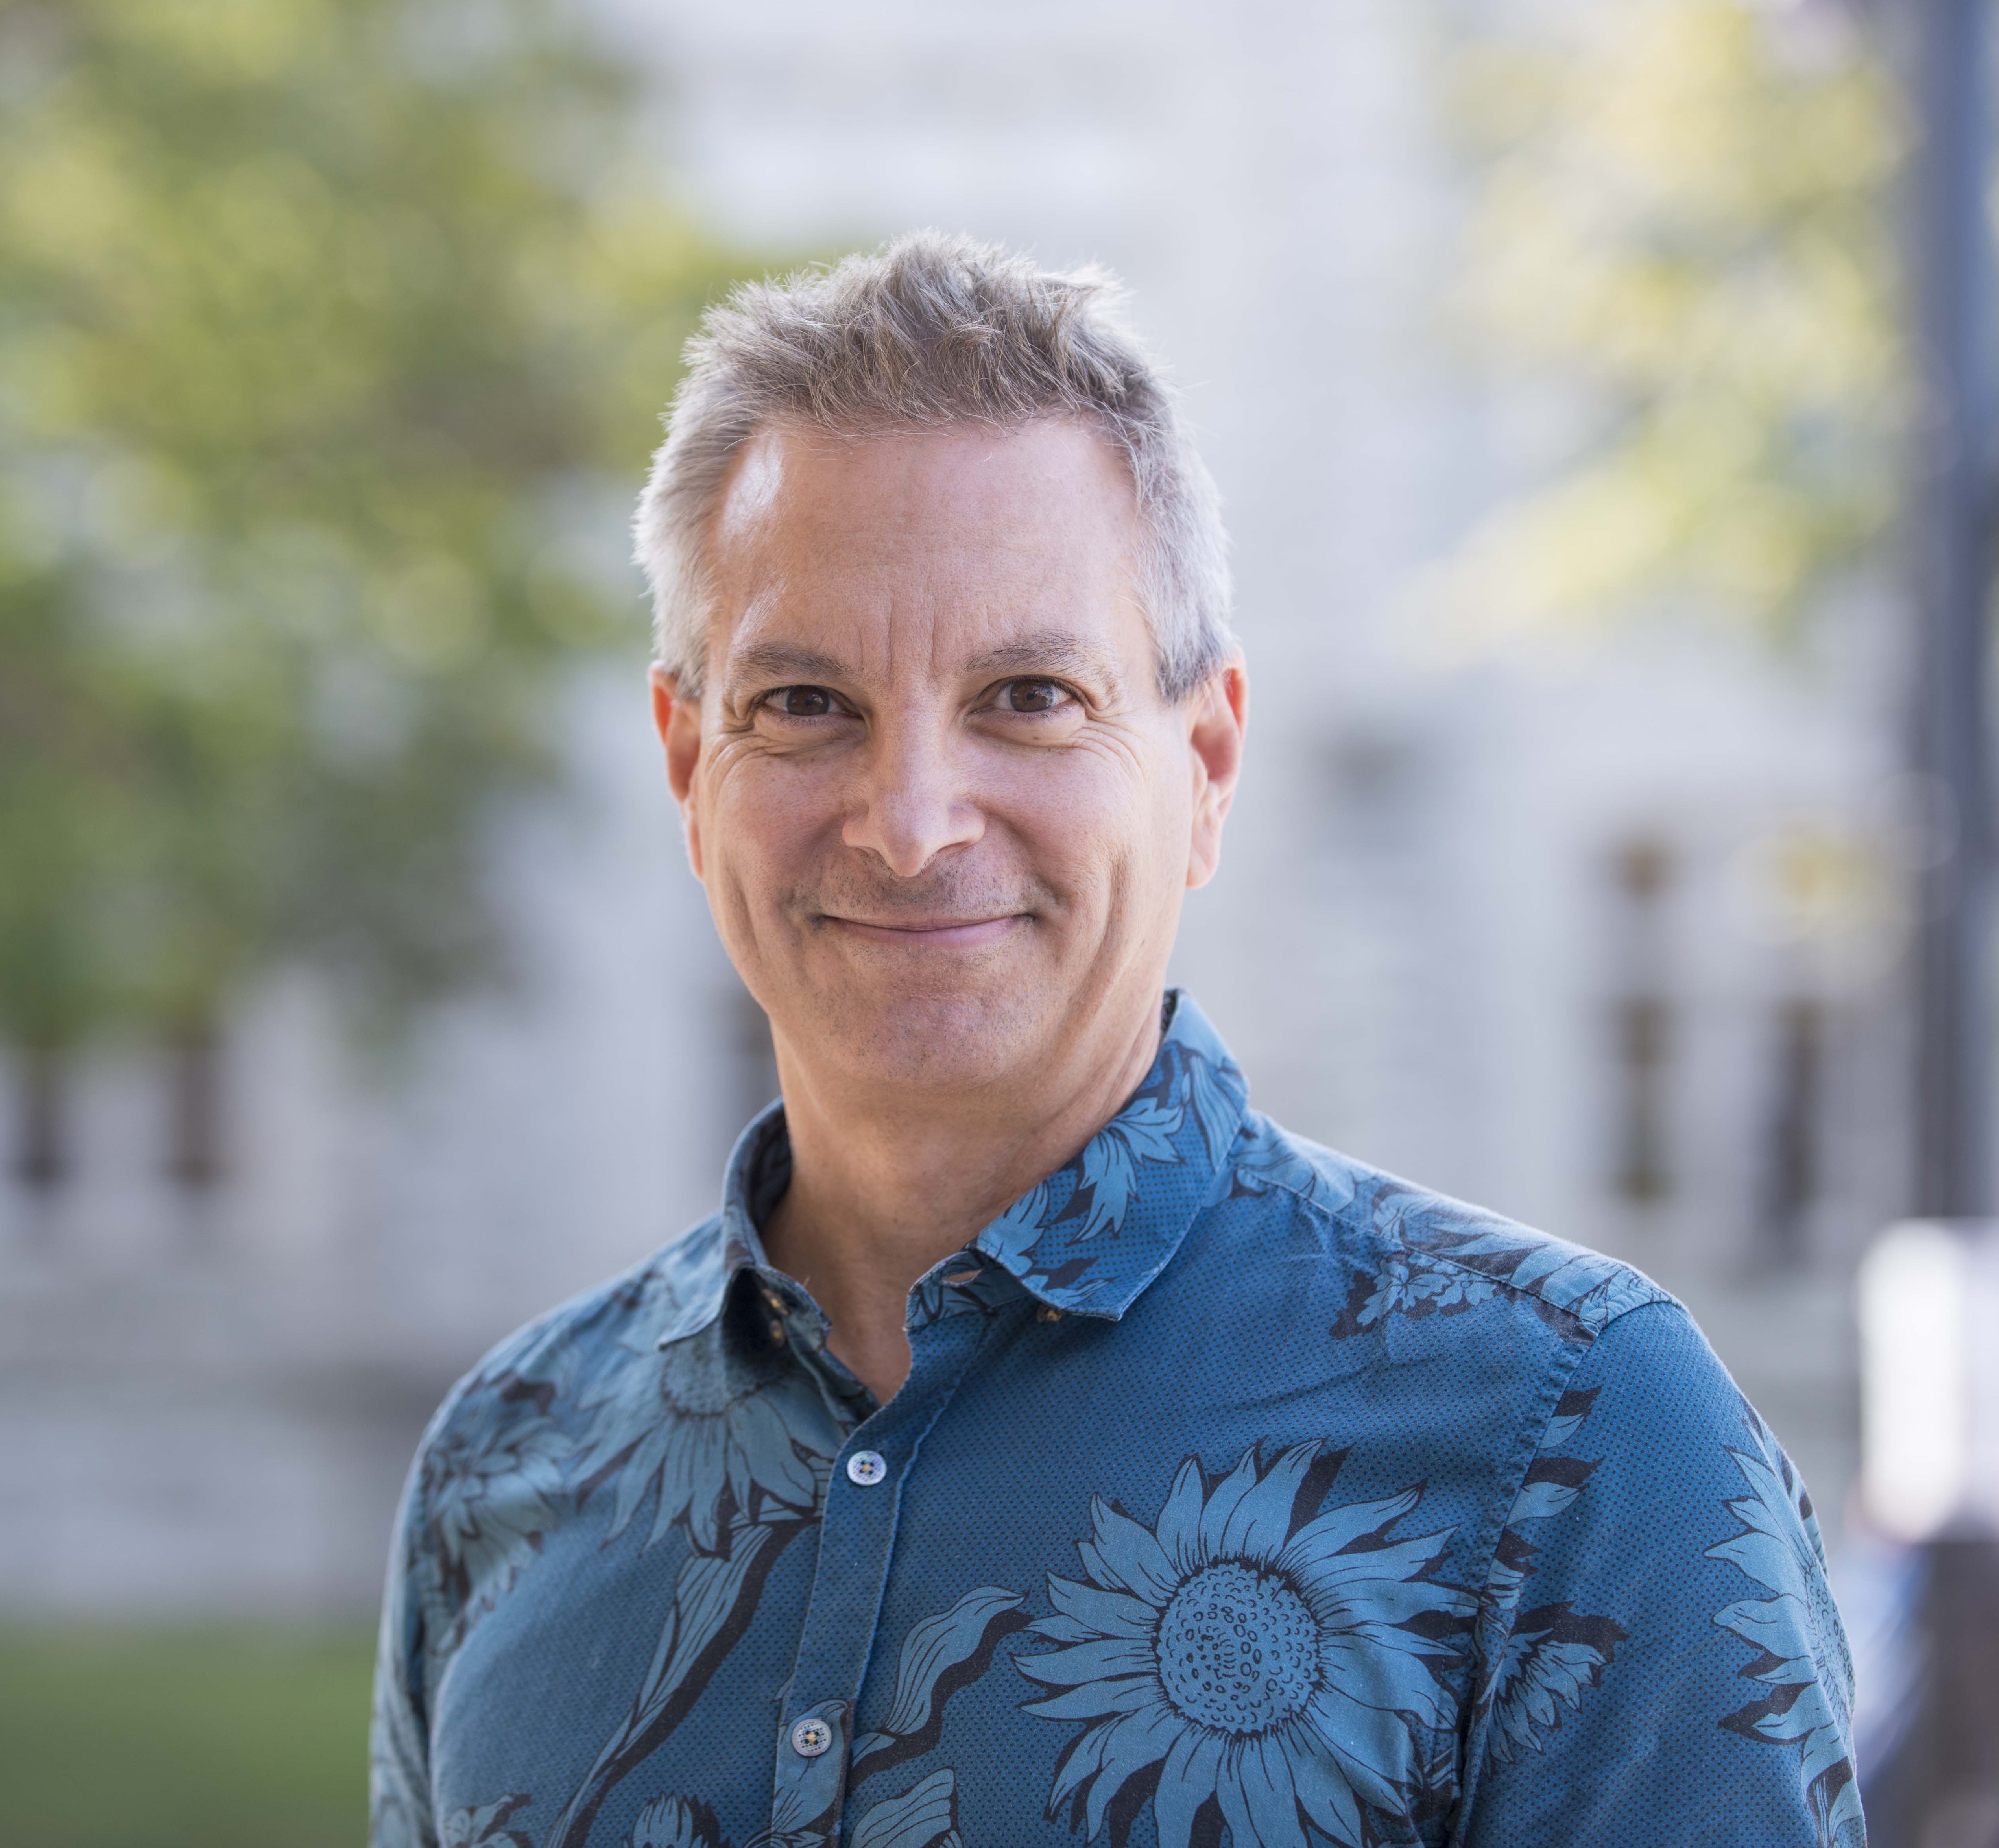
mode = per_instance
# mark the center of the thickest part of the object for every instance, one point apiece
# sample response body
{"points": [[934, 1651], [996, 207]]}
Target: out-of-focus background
{"points": [[1594, 391]]}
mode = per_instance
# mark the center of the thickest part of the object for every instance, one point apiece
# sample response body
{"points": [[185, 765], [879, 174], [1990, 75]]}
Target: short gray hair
{"points": [[932, 331]]}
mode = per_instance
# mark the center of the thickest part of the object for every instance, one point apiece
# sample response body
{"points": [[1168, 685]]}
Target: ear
{"points": [[1218, 715], [678, 721]]}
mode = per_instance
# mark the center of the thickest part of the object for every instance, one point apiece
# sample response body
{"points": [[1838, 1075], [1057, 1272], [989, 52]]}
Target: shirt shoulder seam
{"points": [[1591, 1331]]}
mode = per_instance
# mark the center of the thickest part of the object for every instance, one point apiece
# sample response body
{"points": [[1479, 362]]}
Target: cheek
{"points": [[1097, 814], [761, 816]]}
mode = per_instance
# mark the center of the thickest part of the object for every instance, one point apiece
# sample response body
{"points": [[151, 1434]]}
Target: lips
{"points": [[919, 925], [931, 932]]}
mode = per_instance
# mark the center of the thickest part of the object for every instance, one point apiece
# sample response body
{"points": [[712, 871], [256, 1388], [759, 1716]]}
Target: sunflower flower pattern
{"points": [[1549, 1655], [700, 1431], [1239, 1495], [490, 1486], [1800, 1648], [1257, 1662]]}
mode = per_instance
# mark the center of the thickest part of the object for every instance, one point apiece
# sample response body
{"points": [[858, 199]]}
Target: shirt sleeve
{"points": [[1660, 1661], [399, 1802]]}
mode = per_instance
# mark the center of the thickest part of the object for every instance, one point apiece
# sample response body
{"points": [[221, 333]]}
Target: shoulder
{"points": [[495, 1469], [1417, 1253], [1651, 1388], [665, 1295]]}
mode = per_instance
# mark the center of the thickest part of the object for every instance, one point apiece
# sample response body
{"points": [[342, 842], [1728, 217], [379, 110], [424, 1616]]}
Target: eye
{"points": [[802, 702], [1033, 695]]}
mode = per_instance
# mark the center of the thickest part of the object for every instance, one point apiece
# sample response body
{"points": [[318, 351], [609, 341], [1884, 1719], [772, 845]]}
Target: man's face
{"points": [[944, 815]]}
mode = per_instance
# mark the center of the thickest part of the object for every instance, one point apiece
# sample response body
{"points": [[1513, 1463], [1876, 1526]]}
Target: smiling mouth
{"points": [[940, 933]]}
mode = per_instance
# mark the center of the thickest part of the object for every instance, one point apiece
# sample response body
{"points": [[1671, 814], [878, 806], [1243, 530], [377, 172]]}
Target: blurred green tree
{"points": [[315, 315], [1683, 217]]}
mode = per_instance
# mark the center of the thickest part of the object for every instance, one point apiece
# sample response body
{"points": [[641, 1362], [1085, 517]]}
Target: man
{"points": [[1040, 1444]]}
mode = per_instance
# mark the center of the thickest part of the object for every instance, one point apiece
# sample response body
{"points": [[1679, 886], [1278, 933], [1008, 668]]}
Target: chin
{"points": [[957, 1035]]}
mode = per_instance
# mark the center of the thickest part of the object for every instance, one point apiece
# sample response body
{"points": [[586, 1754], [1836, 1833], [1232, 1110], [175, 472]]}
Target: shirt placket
{"points": [[856, 1543]]}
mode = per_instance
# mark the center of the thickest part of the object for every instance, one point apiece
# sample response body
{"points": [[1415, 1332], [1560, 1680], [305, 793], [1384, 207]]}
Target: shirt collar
{"points": [[1087, 1240], [1098, 1229]]}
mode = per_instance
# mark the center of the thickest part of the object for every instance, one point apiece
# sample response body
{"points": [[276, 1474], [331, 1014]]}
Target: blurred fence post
{"points": [[1950, 525], [1940, 1788]]}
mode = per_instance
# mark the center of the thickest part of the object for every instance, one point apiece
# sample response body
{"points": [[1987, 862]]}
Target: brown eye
{"points": [[1032, 696], [803, 702]]}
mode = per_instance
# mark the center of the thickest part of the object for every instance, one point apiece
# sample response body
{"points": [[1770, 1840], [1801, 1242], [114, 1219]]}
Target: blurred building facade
{"points": [[1584, 933]]}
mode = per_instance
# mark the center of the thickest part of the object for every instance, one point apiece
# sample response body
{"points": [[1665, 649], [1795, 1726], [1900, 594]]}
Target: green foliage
{"points": [[191, 1738], [1683, 217], [315, 315]]}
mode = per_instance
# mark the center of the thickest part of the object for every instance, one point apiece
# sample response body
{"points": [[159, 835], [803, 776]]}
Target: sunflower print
{"points": [[1272, 1666]]}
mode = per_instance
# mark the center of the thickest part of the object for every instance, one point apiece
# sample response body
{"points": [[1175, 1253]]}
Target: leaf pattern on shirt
{"points": [[969, 1283], [1800, 1654], [483, 1827], [1410, 1284], [1542, 1660], [1443, 1258], [676, 1822], [715, 1597], [939, 1655], [1188, 1111], [1266, 1159], [924, 1816]]}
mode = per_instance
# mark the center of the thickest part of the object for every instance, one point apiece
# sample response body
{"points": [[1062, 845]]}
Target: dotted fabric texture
{"points": [[1239, 1493]]}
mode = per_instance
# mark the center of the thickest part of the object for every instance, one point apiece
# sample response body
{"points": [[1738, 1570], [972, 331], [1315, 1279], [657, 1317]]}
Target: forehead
{"points": [[965, 536]]}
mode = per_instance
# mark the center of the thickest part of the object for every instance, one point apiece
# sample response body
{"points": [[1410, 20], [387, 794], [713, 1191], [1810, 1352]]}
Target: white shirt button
{"points": [[810, 1737], [866, 1466]]}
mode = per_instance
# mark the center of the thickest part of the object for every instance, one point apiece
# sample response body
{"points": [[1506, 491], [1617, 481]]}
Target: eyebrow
{"points": [[1053, 651], [780, 661]]}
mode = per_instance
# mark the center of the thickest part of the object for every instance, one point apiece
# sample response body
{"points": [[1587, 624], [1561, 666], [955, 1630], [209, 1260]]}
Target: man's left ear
{"points": [[1218, 715]]}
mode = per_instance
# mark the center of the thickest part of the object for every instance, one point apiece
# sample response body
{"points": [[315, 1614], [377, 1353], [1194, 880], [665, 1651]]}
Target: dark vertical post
{"points": [[1941, 1785], [1643, 1017], [1791, 1153], [194, 1107], [42, 1156], [1950, 529]]}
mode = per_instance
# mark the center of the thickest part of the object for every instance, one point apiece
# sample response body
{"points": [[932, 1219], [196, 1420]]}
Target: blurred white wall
{"points": [[1418, 944]]}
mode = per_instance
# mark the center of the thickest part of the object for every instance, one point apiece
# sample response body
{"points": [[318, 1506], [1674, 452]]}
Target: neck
{"points": [[884, 1186]]}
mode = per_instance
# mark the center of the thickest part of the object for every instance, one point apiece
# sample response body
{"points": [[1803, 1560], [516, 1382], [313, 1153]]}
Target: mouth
{"points": [[930, 933]]}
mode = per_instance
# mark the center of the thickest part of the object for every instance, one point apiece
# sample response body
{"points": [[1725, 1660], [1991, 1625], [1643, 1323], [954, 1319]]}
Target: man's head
{"points": [[949, 701]]}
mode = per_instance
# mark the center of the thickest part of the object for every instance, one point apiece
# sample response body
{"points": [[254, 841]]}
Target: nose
{"points": [[910, 806]]}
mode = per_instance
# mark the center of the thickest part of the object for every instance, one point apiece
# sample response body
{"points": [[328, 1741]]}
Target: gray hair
{"points": [[931, 331]]}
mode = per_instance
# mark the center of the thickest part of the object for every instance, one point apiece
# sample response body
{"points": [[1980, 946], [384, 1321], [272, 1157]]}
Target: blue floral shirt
{"points": [[1239, 1493]]}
